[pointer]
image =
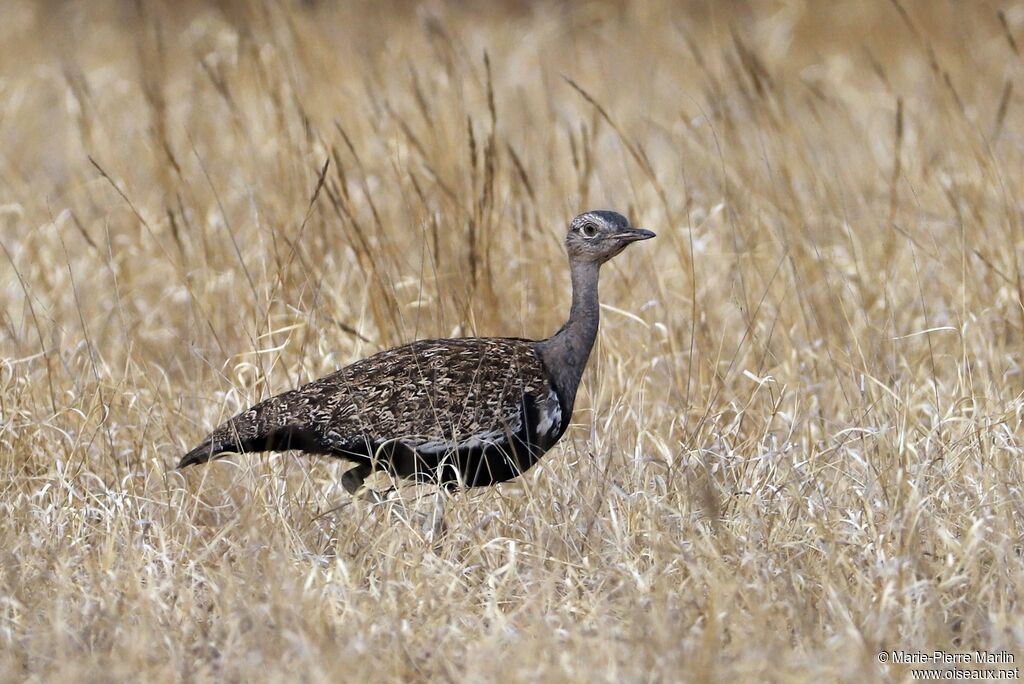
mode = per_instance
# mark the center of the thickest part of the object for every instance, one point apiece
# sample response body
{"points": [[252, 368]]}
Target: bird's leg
{"points": [[354, 478], [354, 482], [432, 523]]}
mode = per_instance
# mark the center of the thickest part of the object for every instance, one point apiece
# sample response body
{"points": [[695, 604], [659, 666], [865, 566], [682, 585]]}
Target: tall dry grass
{"points": [[799, 439]]}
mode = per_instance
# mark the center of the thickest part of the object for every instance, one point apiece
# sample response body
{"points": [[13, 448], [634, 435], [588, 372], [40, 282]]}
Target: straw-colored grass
{"points": [[798, 442]]}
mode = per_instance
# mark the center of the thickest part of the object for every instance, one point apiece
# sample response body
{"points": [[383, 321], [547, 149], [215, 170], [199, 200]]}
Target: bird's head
{"points": [[597, 236]]}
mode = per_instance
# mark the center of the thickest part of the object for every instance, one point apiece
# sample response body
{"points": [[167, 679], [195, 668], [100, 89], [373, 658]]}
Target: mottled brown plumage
{"points": [[431, 396], [463, 386], [470, 411]]}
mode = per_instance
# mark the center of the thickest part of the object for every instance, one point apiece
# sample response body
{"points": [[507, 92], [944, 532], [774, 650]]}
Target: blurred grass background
{"points": [[797, 443]]}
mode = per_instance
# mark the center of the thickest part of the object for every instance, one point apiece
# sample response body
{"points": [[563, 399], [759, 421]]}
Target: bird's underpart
{"points": [[455, 412]]}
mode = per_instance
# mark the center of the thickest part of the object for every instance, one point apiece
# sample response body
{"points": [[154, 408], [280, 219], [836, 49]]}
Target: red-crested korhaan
{"points": [[456, 412]]}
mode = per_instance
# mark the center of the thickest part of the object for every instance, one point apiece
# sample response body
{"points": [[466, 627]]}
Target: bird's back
{"points": [[449, 389]]}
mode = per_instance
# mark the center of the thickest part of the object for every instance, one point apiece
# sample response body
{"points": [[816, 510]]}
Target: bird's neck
{"points": [[566, 352]]}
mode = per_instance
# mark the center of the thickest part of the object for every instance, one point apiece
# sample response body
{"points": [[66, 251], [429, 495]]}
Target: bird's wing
{"points": [[433, 394]]}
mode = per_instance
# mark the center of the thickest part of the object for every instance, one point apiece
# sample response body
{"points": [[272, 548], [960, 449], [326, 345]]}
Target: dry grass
{"points": [[800, 436]]}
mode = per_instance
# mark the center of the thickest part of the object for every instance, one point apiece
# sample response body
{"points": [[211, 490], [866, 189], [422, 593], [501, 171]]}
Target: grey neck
{"points": [[566, 352]]}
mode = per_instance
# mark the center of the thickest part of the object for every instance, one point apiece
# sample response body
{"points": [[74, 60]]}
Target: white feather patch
{"points": [[476, 441], [550, 415]]}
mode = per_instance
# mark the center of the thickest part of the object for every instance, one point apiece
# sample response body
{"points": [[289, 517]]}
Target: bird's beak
{"points": [[635, 234]]}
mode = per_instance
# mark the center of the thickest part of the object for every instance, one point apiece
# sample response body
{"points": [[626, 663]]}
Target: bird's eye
{"points": [[589, 230]]}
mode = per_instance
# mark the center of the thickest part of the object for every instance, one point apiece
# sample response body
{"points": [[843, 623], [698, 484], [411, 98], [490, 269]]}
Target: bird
{"points": [[456, 413]]}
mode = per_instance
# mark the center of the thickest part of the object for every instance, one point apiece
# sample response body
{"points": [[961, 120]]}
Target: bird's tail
{"points": [[268, 426], [248, 431], [206, 451]]}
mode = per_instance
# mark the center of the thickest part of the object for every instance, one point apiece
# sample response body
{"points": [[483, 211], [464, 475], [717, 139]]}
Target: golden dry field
{"points": [[799, 439]]}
